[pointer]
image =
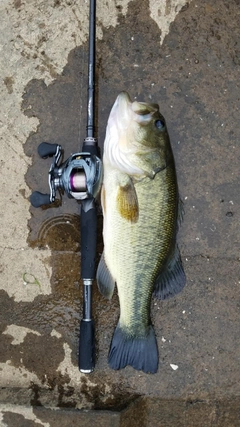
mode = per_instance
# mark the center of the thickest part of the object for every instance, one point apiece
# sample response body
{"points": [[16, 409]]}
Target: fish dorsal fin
{"points": [[127, 202], [171, 279], [105, 281], [142, 108]]}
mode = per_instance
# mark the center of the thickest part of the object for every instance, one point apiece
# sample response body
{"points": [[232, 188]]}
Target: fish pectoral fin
{"points": [[171, 279], [103, 199], [127, 202], [105, 280]]}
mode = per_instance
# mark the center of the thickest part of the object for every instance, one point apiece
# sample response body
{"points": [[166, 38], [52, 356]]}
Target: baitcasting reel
{"points": [[80, 176]]}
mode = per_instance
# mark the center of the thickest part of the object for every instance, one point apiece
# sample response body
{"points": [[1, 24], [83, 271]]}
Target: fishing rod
{"points": [[89, 216], [80, 176]]}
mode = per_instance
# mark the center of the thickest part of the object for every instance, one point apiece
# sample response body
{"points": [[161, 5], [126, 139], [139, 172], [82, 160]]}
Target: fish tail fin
{"points": [[139, 352]]}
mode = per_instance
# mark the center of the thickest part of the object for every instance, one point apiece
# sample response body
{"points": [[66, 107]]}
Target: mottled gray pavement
{"points": [[194, 75]]}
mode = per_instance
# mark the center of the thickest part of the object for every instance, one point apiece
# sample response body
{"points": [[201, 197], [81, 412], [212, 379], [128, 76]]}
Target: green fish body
{"points": [[141, 212]]}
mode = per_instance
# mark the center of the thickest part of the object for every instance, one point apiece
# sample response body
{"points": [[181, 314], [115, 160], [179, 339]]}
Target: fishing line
{"points": [[82, 77]]}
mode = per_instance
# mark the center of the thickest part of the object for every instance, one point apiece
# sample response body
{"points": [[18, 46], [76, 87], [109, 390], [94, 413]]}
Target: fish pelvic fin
{"points": [[105, 281], [139, 352], [171, 279]]}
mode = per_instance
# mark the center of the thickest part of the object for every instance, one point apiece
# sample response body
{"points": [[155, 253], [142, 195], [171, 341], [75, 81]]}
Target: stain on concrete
{"points": [[165, 413], [32, 355], [17, 4], [75, 418], [9, 82], [189, 413], [18, 333], [11, 419]]}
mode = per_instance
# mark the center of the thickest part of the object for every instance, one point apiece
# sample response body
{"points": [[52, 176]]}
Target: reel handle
{"points": [[47, 150], [38, 199]]}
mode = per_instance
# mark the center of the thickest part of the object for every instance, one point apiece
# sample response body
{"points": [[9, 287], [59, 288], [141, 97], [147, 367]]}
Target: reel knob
{"points": [[47, 150], [38, 199]]}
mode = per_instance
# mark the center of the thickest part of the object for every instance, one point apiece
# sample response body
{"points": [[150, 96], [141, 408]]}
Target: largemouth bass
{"points": [[141, 211]]}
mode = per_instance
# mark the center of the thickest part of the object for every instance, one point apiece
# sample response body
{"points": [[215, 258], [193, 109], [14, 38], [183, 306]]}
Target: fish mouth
{"points": [[121, 109], [124, 108], [123, 98]]}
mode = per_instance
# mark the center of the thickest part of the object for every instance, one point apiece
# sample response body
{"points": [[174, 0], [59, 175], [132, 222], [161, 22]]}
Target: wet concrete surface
{"points": [[194, 76], [151, 412]]}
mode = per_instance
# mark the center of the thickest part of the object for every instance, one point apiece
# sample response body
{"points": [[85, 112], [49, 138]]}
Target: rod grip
{"points": [[86, 358], [88, 240]]}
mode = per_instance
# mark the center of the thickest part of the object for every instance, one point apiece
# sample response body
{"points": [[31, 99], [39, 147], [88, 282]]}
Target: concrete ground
{"points": [[185, 56]]}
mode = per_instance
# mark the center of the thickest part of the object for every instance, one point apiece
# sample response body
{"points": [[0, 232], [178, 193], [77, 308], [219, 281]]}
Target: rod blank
{"points": [[91, 69], [86, 361]]}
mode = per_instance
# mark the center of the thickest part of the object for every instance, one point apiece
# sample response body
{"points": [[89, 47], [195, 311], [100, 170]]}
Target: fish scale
{"points": [[148, 262]]}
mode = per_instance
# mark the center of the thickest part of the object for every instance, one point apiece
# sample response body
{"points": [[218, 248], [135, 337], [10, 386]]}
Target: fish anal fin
{"points": [[180, 211], [171, 279], [127, 202], [105, 281]]}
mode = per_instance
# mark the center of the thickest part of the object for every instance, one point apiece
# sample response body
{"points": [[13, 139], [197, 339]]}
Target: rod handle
{"points": [[86, 358], [88, 239]]}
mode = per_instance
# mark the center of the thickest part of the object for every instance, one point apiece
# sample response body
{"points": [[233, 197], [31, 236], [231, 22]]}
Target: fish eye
{"points": [[160, 124]]}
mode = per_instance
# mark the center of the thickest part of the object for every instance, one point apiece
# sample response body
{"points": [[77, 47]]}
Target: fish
{"points": [[142, 212]]}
